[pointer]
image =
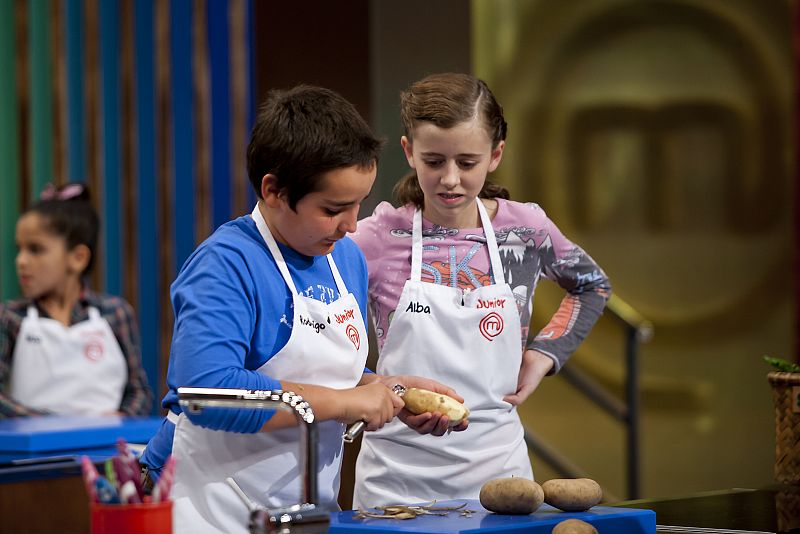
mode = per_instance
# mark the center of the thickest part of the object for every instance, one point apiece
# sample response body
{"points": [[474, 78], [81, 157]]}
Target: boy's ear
{"points": [[407, 150], [78, 258], [270, 191]]}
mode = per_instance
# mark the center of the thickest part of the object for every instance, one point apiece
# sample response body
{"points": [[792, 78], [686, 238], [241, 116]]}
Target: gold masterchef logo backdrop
{"points": [[658, 135]]}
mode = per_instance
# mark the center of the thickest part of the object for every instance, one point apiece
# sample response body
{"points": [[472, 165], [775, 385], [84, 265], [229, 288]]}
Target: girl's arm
{"points": [[580, 309], [137, 399], [587, 290]]}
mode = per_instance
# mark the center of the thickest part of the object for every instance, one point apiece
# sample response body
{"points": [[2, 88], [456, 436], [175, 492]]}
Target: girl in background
{"points": [[65, 349], [452, 273]]}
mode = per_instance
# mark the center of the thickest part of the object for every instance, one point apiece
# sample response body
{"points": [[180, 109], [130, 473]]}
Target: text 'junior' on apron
{"points": [[328, 346], [469, 340]]}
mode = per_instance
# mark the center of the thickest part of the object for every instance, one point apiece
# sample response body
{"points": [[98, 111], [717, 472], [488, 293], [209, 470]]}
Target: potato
{"points": [[513, 495], [421, 400], [574, 526], [572, 494]]}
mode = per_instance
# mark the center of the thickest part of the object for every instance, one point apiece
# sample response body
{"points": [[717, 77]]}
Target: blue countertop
{"points": [[606, 519], [51, 446], [35, 435]]}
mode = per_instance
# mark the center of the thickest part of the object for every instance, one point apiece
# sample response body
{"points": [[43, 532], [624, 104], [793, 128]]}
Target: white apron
{"points": [[469, 340], [68, 370], [328, 346]]}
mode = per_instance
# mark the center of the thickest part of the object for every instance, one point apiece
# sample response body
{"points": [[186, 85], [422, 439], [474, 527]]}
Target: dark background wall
{"points": [[368, 51], [317, 42]]}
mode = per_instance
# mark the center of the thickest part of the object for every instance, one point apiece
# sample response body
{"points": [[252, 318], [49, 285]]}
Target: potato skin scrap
{"points": [[572, 494], [421, 400], [574, 526], [513, 495]]}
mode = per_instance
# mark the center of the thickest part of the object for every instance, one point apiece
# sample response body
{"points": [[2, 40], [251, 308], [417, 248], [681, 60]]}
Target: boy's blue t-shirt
{"points": [[233, 312]]}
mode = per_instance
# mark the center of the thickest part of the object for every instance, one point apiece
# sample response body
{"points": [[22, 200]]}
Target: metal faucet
{"points": [[306, 516]]}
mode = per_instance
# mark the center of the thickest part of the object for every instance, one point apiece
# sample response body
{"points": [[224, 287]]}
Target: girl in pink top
{"points": [[451, 298]]}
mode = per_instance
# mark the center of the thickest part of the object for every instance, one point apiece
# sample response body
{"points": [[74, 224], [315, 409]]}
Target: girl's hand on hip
{"points": [[535, 366]]}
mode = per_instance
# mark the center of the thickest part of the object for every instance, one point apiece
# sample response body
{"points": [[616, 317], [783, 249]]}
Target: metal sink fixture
{"points": [[308, 515]]}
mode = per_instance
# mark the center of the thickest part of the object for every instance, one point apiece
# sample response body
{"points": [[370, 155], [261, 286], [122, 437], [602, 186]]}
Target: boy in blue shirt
{"points": [[277, 300]]}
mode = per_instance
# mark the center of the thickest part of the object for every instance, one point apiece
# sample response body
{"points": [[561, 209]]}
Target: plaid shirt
{"points": [[137, 398]]}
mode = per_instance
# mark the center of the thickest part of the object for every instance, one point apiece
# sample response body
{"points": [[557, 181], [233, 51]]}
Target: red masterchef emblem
{"points": [[93, 350], [491, 325], [352, 333]]}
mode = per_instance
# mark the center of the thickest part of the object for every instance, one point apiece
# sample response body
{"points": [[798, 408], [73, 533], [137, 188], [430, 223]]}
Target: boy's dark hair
{"points": [[304, 132], [68, 212]]}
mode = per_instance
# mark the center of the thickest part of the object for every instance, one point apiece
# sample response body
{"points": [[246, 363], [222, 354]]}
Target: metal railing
{"points": [[637, 330]]}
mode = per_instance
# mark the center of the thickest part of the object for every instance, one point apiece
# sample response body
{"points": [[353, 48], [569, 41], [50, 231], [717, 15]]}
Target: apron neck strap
{"points": [[33, 313], [337, 277], [491, 244], [416, 247], [272, 245]]}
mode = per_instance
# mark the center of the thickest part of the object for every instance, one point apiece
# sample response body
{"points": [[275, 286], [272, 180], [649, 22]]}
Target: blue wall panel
{"points": [[112, 190], [147, 210], [219, 58], [182, 130]]}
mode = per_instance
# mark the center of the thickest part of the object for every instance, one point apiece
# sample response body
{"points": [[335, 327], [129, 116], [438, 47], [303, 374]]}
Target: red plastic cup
{"points": [[152, 518]]}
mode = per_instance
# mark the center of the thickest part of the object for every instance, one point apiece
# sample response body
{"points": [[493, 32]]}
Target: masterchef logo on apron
{"points": [[354, 336], [94, 350], [93, 346], [491, 325], [351, 331]]}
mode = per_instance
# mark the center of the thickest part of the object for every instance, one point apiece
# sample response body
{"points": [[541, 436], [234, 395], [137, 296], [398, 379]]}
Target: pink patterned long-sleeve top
{"points": [[531, 247]]}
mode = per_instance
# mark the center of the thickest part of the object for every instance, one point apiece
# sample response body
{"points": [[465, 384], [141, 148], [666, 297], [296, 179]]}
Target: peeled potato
{"points": [[572, 494], [511, 495], [574, 526], [421, 400]]}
